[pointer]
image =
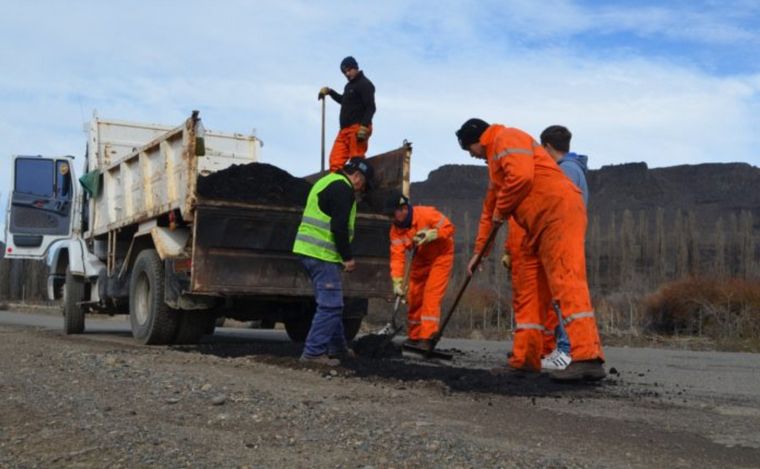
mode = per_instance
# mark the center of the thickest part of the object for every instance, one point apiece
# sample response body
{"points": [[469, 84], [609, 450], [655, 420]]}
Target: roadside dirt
{"points": [[99, 401]]}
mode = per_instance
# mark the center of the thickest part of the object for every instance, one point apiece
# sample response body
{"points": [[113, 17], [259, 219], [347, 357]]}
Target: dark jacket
{"points": [[357, 103], [336, 200]]}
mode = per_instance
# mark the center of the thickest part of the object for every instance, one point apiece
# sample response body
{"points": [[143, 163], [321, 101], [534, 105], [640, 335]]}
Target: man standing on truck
{"points": [[357, 106], [525, 183], [324, 245], [430, 236]]}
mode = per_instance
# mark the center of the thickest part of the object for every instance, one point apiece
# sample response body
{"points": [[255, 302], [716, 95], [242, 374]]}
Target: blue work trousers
{"points": [[326, 334], [560, 334]]}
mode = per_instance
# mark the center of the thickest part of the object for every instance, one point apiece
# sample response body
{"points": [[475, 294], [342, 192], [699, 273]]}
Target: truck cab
{"points": [[41, 206]]}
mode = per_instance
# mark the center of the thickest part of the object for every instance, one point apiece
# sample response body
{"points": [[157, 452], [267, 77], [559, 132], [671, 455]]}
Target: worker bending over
{"points": [[323, 243], [357, 106], [430, 236], [525, 183]]}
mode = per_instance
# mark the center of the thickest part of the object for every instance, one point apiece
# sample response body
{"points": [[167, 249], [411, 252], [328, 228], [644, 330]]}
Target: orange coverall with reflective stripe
{"points": [[528, 185], [347, 146], [430, 270]]}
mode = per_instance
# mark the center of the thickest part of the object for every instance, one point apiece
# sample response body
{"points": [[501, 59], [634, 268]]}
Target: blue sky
{"points": [[662, 82]]}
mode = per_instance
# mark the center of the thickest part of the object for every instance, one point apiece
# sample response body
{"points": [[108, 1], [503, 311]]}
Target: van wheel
{"points": [[153, 322], [73, 312]]}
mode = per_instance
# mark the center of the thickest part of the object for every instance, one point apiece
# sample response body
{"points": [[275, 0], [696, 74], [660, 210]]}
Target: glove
{"points": [[363, 133], [506, 260], [425, 236], [398, 286], [324, 91]]}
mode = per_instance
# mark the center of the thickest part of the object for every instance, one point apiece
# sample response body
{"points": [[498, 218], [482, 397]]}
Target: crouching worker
{"points": [[431, 235], [323, 243]]}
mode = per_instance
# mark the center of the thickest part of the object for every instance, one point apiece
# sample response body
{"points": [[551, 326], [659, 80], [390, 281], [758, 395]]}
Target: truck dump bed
{"points": [[238, 244], [144, 180]]}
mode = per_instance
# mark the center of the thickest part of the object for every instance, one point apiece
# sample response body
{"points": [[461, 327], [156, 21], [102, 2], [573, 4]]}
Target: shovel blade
{"points": [[424, 352]]}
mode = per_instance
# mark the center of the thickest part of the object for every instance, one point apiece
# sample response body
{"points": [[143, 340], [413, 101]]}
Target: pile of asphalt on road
{"points": [[257, 183]]}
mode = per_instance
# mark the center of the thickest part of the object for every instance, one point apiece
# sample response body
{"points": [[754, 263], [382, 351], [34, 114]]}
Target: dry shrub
{"points": [[721, 309]]}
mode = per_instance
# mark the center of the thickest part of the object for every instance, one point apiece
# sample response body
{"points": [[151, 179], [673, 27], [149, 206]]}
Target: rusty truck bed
{"points": [[244, 249]]}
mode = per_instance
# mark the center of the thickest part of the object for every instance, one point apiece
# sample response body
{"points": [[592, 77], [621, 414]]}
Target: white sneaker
{"points": [[557, 360]]}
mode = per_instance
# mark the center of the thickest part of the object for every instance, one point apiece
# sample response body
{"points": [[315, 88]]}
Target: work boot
{"points": [[589, 370], [345, 354], [557, 360], [323, 360]]}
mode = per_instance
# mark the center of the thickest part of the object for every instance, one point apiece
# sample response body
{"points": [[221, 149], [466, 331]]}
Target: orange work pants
{"points": [[346, 146], [428, 279], [530, 298], [561, 251]]}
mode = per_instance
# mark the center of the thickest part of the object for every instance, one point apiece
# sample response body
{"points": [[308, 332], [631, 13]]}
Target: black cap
{"points": [[470, 132], [395, 201], [361, 165], [348, 63]]}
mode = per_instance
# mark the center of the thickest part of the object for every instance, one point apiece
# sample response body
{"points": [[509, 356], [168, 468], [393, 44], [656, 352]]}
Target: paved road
{"points": [[663, 408], [717, 378]]}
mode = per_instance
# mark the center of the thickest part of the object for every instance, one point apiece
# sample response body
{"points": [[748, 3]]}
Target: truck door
{"points": [[40, 208]]}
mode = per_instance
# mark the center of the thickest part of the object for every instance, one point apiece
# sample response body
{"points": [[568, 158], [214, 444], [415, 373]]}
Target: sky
{"points": [[667, 83]]}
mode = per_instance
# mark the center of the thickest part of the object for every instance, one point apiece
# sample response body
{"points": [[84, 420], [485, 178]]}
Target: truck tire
{"points": [[73, 312], [297, 326], [153, 322], [193, 325], [353, 314]]}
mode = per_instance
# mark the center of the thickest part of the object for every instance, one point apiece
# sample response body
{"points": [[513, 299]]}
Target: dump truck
{"points": [[137, 235]]}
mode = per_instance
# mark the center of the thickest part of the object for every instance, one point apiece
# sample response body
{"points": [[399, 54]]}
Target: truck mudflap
{"points": [[243, 249]]}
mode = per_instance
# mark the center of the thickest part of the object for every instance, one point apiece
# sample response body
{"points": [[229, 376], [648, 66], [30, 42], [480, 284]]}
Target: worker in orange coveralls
{"points": [[357, 106], [432, 234], [526, 184]]}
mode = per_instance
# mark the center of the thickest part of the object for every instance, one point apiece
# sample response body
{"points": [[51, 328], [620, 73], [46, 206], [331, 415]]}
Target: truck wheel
{"points": [[193, 325], [351, 327], [353, 315], [73, 312], [153, 322], [297, 326]]}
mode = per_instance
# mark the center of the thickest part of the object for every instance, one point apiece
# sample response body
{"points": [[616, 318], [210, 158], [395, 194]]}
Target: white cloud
{"points": [[435, 64]]}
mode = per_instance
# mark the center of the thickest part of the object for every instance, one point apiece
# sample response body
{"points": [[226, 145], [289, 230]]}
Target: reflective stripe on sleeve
{"points": [[431, 319], [510, 151]]}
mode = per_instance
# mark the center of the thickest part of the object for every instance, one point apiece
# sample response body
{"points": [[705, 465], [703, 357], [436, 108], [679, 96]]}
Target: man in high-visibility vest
{"points": [[323, 243]]}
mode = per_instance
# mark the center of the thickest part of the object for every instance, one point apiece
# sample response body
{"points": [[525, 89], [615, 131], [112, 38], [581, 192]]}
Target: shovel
{"points": [[391, 330], [427, 350], [323, 134]]}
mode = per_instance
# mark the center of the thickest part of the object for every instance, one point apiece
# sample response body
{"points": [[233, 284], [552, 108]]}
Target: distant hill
{"points": [[644, 224]]}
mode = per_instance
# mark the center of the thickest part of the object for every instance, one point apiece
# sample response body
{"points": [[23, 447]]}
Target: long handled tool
{"points": [[395, 327], [323, 134], [428, 349]]}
